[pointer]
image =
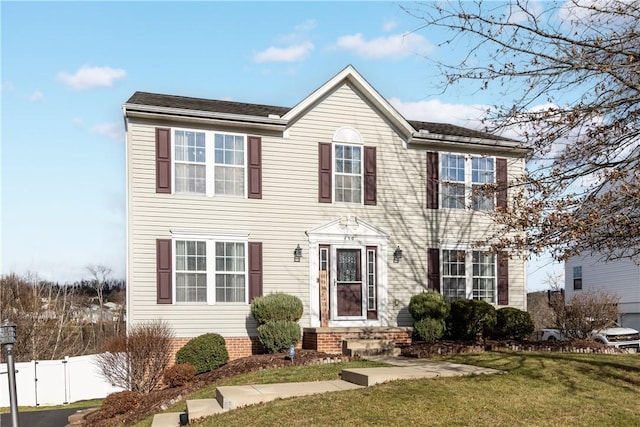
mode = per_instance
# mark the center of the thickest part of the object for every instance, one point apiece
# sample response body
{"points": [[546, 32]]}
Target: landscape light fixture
{"points": [[8, 339], [397, 254]]}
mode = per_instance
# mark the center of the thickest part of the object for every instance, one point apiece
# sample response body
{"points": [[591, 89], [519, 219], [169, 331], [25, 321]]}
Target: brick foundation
{"points": [[329, 340]]}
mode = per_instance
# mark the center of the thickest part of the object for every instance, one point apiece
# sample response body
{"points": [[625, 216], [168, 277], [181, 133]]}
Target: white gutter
{"points": [[131, 109], [437, 140]]}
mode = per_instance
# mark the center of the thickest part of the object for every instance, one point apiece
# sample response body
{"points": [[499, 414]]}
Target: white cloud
{"points": [[395, 46], [6, 87], [389, 25], [469, 116], [77, 122], [305, 26], [36, 96], [110, 130], [293, 53], [90, 77]]}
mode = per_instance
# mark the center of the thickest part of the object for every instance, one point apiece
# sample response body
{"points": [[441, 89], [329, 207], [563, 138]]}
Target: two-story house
{"points": [[338, 200]]}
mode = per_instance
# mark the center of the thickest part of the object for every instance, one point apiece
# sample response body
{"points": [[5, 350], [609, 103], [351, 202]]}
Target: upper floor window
{"points": [[348, 173], [190, 162], [577, 278], [463, 179], [209, 163]]}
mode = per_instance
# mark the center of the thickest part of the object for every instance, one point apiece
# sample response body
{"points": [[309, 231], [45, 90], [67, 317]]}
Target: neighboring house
{"points": [[339, 200], [620, 277]]}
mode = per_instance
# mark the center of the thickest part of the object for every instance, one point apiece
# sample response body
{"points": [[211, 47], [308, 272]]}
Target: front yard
{"points": [[543, 389]]}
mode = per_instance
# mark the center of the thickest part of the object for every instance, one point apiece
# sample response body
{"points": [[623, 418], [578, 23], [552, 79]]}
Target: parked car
{"points": [[615, 337], [618, 337]]}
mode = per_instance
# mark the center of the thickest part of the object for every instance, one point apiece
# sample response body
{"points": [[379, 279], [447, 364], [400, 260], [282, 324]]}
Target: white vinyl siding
{"points": [[290, 207]]}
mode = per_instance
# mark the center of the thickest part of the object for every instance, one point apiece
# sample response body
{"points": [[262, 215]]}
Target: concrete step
{"points": [[232, 397], [364, 347], [199, 408], [168, 419]]}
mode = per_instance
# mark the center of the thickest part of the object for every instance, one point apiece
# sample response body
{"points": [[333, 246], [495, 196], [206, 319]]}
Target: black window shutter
{"points": [[503, 278], [254, 168], [324, 172], [432, 180], [433, 269], [163, 271], [163, 160], [370, 184], [255, 270], [501, 181]]}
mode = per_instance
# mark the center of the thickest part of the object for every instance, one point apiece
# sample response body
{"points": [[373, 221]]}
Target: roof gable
{"points": [[351, 76]]}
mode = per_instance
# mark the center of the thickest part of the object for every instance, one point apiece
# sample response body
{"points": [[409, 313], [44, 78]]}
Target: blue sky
{"points": [[67, 68]]}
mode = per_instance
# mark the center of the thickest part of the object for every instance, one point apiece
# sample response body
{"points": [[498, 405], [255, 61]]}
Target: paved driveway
{"points": [[51, 418]]}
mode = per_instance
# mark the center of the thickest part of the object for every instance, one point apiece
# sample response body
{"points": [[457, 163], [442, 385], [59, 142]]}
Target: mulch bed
{"points": [[159, 400]]}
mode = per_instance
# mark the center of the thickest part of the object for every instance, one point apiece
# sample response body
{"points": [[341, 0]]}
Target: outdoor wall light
{"points": [[8, 339], [397, 254], [297, 254]]}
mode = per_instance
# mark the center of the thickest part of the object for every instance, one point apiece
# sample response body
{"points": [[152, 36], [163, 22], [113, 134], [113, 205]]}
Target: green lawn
{"points": [[540, 389]]}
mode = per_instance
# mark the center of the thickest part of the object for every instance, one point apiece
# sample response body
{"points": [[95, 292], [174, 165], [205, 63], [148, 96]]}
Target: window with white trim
{"points": [[211, 163], [462, 181], [484, 276], [454, 277], [210, 271], [371, 279], [468, 274], [348, 173], [577, 278]]}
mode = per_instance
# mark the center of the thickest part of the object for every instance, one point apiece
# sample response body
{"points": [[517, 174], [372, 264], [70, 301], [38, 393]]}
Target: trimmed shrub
{"points": [[276, 307], [276, 336], [471, 319], [428, 304], [513, 324], [205, 353], [179, 374], [119, 403], [429, 330]]}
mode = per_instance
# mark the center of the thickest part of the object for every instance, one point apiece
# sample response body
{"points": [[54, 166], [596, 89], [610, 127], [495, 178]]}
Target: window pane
{"points": [[348, 173]]}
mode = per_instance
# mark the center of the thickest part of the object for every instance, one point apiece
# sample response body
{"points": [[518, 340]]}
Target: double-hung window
{"points": [[468, 275], [210, 271], [484, 276], [210, 163], [190, 162], [577, 278], [463, 180], [348, 173], [453, 181]]}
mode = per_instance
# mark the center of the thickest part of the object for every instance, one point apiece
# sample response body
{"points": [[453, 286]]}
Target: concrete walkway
{"points": [[403, 368]]}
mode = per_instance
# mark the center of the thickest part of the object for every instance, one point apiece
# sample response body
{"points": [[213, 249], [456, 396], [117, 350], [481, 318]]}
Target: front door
{"points": [[348, 289]]}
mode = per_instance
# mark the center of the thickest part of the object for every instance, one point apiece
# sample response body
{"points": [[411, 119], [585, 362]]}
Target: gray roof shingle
{"points": [[258, 110]]}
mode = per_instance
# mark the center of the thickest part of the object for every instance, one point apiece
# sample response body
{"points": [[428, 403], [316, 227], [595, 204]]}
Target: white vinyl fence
{"points": [[55, 382]]}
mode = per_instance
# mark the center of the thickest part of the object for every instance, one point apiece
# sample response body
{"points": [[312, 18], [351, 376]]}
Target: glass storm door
{"points": [[348, 284]]}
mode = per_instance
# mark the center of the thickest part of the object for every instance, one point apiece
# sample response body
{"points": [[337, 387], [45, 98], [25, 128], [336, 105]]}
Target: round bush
{"points": [[119, 403], [429, 330], [276, 336], [276, 307], [513, 324], [428, 304], [205, 353], [471, 319], [178, 374]]}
